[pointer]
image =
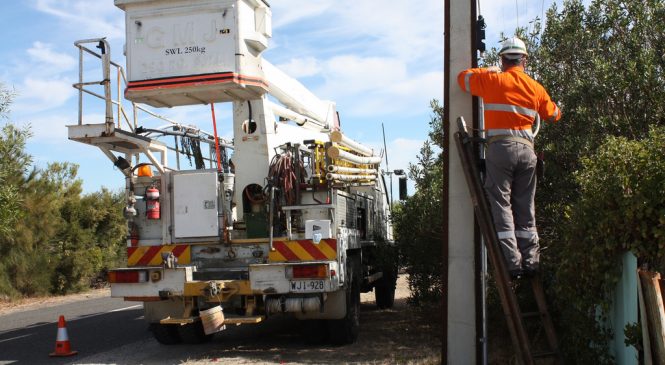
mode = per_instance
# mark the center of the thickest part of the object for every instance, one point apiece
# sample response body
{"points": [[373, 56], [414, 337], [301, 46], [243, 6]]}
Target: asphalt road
{"points": [[93, 326], [111, 331]]}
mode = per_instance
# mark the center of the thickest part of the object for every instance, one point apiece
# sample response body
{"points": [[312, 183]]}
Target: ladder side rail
{"points": [[507, 296], [539, 294]]}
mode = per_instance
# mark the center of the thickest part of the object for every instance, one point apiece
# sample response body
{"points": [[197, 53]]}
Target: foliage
{"points": [[603, 193], [53, 238], [6, 98], [417, 220], [603, 65], [13, 163], [621, 208]]}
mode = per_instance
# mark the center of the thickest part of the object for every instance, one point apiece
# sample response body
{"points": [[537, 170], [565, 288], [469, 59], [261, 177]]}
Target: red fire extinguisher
{"points": [[152, 202], [133, 237]]}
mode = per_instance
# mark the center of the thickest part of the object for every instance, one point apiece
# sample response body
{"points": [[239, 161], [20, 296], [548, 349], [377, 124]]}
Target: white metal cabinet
{"points": [[195, 205]]}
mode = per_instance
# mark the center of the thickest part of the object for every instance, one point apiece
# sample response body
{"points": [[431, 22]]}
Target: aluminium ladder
{"points": [[511, 309]]}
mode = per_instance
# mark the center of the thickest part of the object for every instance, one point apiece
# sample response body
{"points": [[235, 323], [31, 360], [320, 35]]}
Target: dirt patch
{"points": [[400, 335], [25, 304]]}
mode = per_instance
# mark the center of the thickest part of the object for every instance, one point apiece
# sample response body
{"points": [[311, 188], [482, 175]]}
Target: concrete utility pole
{"points": [[460, 248]]}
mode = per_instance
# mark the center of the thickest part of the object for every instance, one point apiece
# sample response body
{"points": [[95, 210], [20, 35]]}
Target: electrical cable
{"points": [[517, 14], [281, 174], [214, 126]]}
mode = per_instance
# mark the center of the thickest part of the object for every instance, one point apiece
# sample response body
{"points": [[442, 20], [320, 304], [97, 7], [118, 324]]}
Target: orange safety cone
{"points": [[62, 346]]}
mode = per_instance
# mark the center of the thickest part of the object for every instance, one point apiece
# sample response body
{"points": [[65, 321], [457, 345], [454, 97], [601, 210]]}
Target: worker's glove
{"points": [[493, 69]]}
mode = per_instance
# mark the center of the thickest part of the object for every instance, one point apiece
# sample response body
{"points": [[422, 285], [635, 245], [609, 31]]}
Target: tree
{"points": [[603, 65], [53, 239], [417, 220], [603, 192]]}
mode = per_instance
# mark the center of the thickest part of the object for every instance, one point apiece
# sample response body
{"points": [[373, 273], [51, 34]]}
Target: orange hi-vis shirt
{"points": [[511, 99]]}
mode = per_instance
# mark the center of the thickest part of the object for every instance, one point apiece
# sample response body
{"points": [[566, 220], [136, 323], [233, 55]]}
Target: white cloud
{"points": [[42, 94], [49, 128], [287, 12], [43, 53], [400, 28], [402, 151], [373, 59], [378, 86], [85, 16], [301, 67], [354, 74]]}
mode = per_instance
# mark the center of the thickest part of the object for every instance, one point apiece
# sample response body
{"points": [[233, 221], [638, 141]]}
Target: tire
{"points": [[384, 290], [166, 334], [315, 332], [345, 331], [193, 333]]}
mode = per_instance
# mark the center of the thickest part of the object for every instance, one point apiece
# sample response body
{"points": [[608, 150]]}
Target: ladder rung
{"points": [[544, 354]]}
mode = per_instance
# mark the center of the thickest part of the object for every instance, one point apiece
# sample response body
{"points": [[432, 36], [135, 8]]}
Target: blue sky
{"points": [[380, 64]]}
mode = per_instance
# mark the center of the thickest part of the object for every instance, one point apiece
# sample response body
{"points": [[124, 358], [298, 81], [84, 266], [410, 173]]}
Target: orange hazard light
{"points": [[145, 170]]}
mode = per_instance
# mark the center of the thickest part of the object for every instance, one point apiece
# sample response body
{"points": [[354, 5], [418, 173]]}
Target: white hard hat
{"points": [[513, 48]]}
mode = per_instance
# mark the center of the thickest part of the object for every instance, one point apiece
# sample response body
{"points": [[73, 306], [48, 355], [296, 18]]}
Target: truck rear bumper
{"points": [[149, 282], [294, 278], [155, 283]]}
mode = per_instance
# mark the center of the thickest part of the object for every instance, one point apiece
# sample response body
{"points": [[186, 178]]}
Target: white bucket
{"points": [[212, 319]]}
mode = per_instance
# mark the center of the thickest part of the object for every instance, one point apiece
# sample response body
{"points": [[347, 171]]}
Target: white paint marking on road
{"points": [[126, 308], [14, 338], [111, 311]]}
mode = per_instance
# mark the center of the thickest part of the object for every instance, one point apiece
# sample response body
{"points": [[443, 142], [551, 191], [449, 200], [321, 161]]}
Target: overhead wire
{"points": [[517, 14]]}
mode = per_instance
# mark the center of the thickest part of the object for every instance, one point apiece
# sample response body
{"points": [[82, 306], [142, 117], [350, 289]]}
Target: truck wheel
{"points": [[193, 333], [345, 331], [166, 334], [315, 331], [384, 290]]}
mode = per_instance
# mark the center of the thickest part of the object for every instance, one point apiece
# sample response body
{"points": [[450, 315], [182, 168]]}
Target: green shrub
{"points": [[417, 221], [621, 208]]}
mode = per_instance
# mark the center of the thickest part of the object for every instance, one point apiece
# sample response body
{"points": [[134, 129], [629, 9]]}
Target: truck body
{"points": [[290, 216]]}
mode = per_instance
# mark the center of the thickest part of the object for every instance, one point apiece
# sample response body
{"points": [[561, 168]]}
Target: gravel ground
{"points": [[401, 335]]}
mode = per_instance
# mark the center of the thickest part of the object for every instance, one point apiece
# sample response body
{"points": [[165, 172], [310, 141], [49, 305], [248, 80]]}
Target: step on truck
{"points": [[289, 216]]}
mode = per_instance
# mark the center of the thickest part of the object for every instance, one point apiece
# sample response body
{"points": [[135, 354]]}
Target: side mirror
{"points": [[403, 193]]}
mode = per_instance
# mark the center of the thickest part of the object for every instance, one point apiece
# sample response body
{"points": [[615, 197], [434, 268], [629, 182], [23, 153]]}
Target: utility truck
{"points": [[290, 216]]}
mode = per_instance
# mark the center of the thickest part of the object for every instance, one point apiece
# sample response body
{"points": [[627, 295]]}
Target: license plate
{"points": [[307, 286]]}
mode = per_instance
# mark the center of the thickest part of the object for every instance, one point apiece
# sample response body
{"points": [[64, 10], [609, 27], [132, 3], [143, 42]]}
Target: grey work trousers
{"points": [[510, 183]]}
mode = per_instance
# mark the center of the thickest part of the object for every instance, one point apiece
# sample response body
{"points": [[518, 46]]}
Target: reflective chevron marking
{"points": [[152, 255], [303, 250]]}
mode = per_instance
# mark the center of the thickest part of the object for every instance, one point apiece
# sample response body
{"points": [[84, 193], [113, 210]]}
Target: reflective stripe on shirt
{"points": [[511, 109], [467, 81], [523, 133]]}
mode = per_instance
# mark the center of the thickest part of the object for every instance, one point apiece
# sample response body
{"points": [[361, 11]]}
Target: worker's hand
{"points": [[493, 69]]}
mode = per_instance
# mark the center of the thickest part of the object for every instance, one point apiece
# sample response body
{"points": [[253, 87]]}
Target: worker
{"points": [[512, 101]]}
